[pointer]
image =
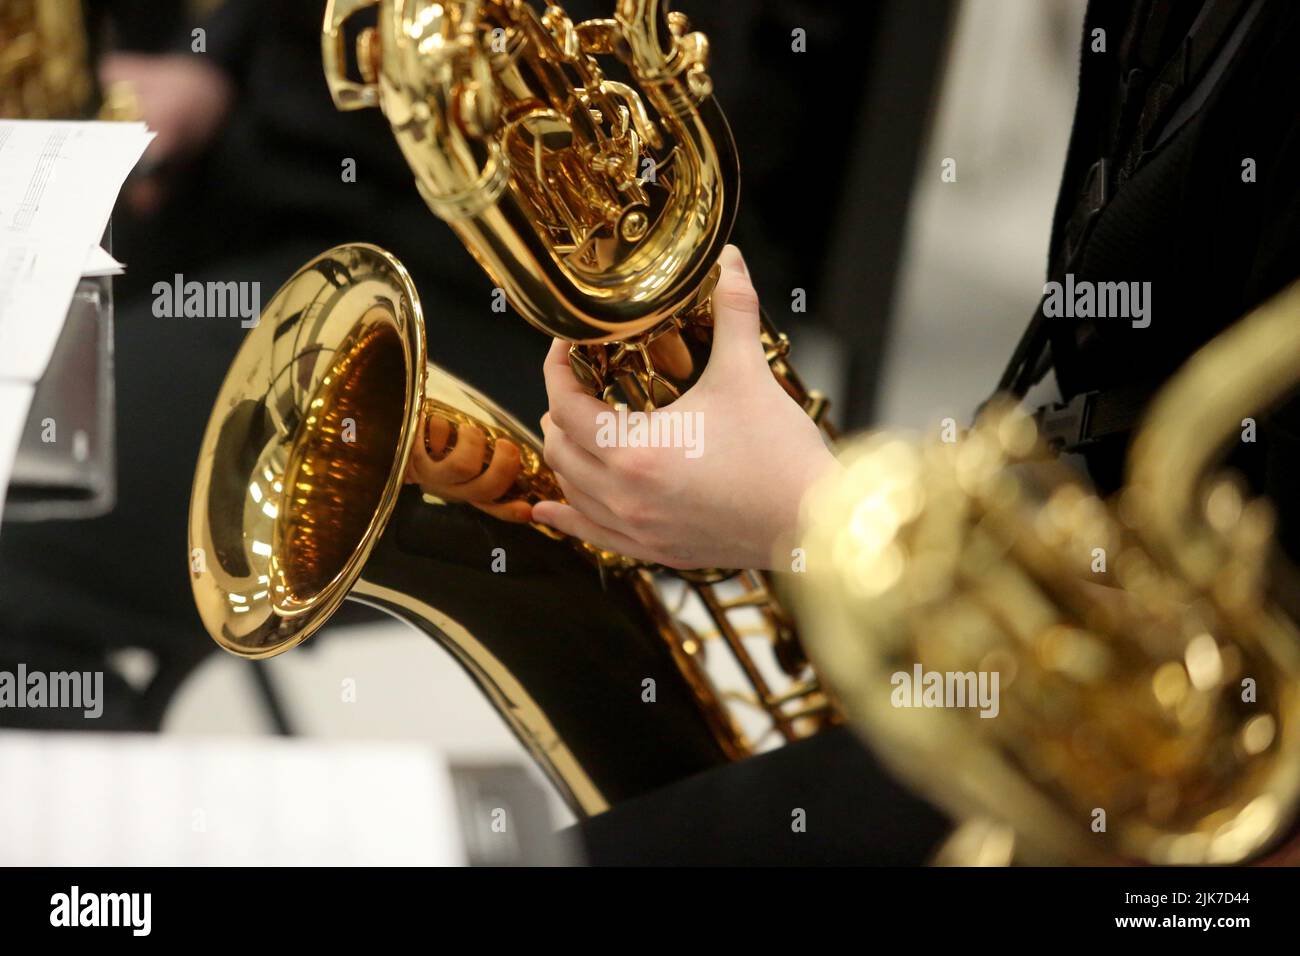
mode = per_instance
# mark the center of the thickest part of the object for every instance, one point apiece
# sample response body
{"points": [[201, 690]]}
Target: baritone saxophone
{"points": [[600, 208]]}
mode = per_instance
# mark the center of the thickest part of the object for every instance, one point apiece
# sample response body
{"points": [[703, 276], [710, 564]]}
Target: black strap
{"points": [[1031, 357], [1180, 75], [1138, 62], [1090, 417]]}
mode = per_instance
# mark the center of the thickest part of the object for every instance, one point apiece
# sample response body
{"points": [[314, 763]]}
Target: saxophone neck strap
{"points": [[1090, 417]]}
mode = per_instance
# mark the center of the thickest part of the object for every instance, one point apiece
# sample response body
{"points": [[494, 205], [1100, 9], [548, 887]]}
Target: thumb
{"points": [[735, 317]]}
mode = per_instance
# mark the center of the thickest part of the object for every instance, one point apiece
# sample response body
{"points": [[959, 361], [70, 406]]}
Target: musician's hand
{"points": [[725, 503], [184, 99], [447, 462]]}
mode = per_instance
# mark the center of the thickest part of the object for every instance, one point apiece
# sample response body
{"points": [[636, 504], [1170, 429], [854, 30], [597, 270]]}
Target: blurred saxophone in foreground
{"points": [[45, 65], [1149, 704]]}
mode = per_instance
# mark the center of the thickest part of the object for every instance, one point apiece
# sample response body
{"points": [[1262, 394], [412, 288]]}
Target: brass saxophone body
{"points": [[598, 221]]}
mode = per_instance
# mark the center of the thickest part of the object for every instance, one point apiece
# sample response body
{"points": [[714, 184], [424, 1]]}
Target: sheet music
{"points": [[58, 184], [98, 799]]}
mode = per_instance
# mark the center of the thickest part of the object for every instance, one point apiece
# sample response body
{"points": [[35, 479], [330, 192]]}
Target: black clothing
{"points": [[1185, 217], [824, 801]]}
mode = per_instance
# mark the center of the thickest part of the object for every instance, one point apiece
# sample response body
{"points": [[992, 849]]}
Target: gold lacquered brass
{"points": [[1149, 682], [44, 65], [298, 503], [45, 68], [539, 162], [600, 208]]}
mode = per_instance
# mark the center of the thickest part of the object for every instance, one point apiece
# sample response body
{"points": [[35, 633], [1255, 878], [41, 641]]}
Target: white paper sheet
{"points": [[58, 183], [91, 799], [100, 263], [15, 401]]}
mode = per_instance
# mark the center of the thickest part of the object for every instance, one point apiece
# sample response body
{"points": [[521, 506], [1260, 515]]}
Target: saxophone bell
{"points": [[298, 504]]}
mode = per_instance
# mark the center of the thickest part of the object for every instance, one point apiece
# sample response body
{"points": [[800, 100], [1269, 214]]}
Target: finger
{"points": [[465, 460], [736, 342], [588, 505], [568, 519], [558, 373], [437, 435], [572, 407], [122, 66], [501, 473], [516, 512], [422, 469], [575, 463]]}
